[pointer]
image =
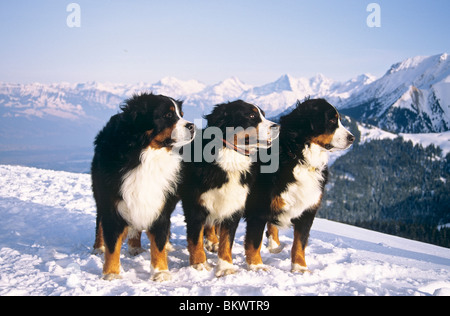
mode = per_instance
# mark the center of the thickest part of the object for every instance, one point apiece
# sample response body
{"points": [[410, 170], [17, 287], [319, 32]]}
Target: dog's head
{"points": [[318, 122], [158, 121], [243, 125]]}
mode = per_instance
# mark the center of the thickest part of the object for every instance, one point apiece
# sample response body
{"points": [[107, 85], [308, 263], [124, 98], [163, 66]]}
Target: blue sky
{"points": [[255, 40]]}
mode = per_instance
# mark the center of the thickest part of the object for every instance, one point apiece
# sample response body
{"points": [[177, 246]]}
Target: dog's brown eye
{"points": [[168, 115], [333, 121], [252, 115]]}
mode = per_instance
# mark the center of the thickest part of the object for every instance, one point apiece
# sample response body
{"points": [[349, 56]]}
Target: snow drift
{"points": [[47, 231]]}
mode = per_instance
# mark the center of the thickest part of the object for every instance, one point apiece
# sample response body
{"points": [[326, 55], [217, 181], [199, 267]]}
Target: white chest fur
{"points": [[230, 197], [144, 189], [306, 191]]}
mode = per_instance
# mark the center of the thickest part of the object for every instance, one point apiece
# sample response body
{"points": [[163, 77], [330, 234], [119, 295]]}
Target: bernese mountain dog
{"points": [[135, 172], [216, 184], [291, 196]]}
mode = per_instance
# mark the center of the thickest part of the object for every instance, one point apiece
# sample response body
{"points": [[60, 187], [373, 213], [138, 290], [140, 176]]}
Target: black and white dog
{"points": [[214, 191], [292, 195], [135, 174]]}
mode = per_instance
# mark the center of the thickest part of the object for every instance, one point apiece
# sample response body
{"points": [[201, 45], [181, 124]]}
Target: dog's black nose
{"points": [[351, 138]]}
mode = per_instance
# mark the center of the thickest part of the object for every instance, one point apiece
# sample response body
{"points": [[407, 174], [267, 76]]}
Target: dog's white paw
{"points": [[202, 266], [111, 277], [273, 246], [224, 268], [134, 251], [161, 276], [211, 247], [98, 251], [296, 268], [169, 247], [258, 267]]}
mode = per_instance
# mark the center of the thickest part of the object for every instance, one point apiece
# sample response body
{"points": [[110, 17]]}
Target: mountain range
{"points": [[381, 180], [412, 97]]}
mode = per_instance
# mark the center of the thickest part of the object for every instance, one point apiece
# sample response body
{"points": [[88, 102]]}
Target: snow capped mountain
{"points": [[345, 90], [42, 113], [412, 97], [201, 103], [176, 88], [63, 100], [230, 88], [278, 96], [72, 101], [56, 114]]}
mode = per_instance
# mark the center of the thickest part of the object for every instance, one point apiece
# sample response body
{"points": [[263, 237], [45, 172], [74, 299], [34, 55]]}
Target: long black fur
{"points": [[308, 120], [201, 176], [117, 151]]}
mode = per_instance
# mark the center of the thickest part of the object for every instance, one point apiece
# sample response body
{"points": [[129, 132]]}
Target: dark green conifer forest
{"points": [[391, 186]]}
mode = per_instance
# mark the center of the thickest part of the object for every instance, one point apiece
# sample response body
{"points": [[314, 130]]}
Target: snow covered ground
{"points": [[47, 221]]}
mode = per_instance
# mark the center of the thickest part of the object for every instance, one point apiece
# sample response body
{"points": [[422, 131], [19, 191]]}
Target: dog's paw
{"points": [[161, 276], [98, 251], [224, 268], [211, 247], [296, 268], [169, 247], [202, 266], [258, 267], [111, 277], [273, 246], [134, 251]]}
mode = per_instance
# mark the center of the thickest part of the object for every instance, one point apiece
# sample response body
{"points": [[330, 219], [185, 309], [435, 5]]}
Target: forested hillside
{"points": [[394, 187]]}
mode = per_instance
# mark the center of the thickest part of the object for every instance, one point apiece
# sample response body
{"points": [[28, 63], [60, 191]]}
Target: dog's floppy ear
{"points": [[138, 111], [304, 111], [298, 120], [218, 116], [129, 108]]}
